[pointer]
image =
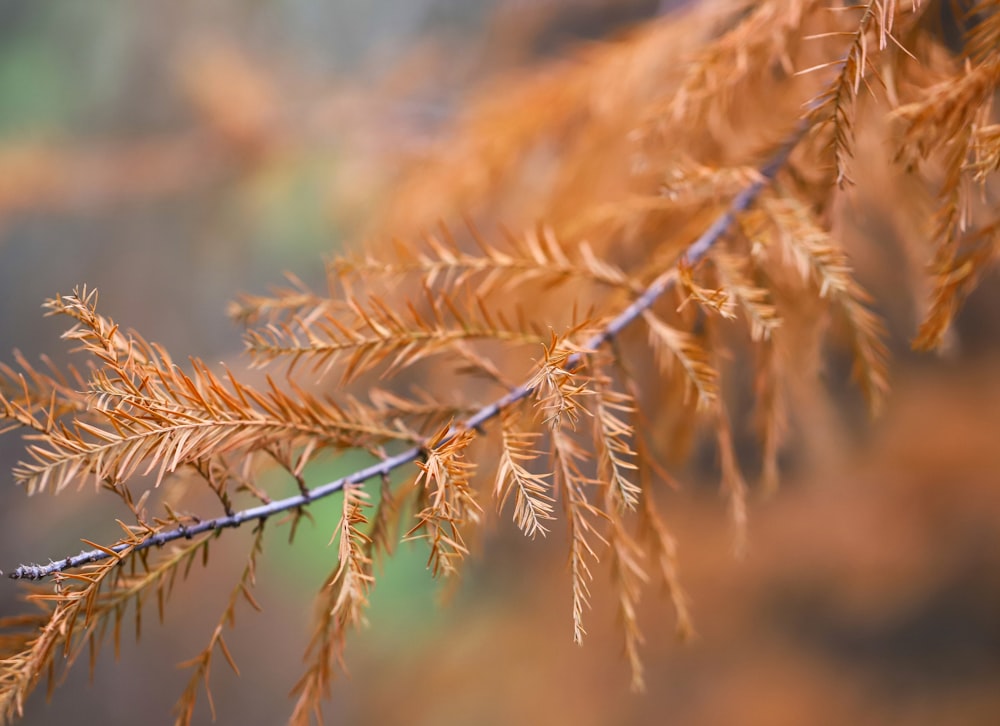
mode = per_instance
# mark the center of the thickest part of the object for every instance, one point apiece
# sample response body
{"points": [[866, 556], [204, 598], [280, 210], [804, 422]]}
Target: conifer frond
{"points": [[615, 457], [178, 420], [947, 110], [95, 333], [378, 336], [449, 505], [146, 416], [628, 577], [833, 111], [985, 152], [443, 264], [952, 119], [618, 475], [688, 182], [983, 34], [352, 580], [712, 300], [581, 518], [770, 415], [761, 315], [384, 532], [956, 273], [340, 607], [532, 492], [671, 344], [818, 259], [662, 547], [419, 409], [558, 392], [296, 301], [758, 43], [733, 483], [36, 399]]}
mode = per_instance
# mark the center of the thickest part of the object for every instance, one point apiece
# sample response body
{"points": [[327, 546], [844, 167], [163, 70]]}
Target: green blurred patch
{"points": [[287, 203], [35, 94], [64, 62]]}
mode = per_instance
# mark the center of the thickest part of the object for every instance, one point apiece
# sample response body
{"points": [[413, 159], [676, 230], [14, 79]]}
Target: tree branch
{"points": [[694, 253]]}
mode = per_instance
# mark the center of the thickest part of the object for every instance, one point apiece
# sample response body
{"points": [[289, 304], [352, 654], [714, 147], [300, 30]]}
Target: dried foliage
{"points": [[694, 174]]}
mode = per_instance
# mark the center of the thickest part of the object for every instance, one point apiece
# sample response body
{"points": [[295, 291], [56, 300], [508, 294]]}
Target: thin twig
{"points": [[694, 253]]}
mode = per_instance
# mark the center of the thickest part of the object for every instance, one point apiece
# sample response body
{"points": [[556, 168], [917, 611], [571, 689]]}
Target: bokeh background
{"points": [[176, 154]]}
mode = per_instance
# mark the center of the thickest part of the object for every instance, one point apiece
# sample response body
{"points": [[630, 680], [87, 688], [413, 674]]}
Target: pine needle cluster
{"points": [[682, 194]]}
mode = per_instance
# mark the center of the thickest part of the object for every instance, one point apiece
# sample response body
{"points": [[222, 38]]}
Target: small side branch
{"points": [[694, 253]]}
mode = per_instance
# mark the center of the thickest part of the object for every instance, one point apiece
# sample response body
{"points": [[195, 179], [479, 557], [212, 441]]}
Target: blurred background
{"points": [[174, 155]]}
